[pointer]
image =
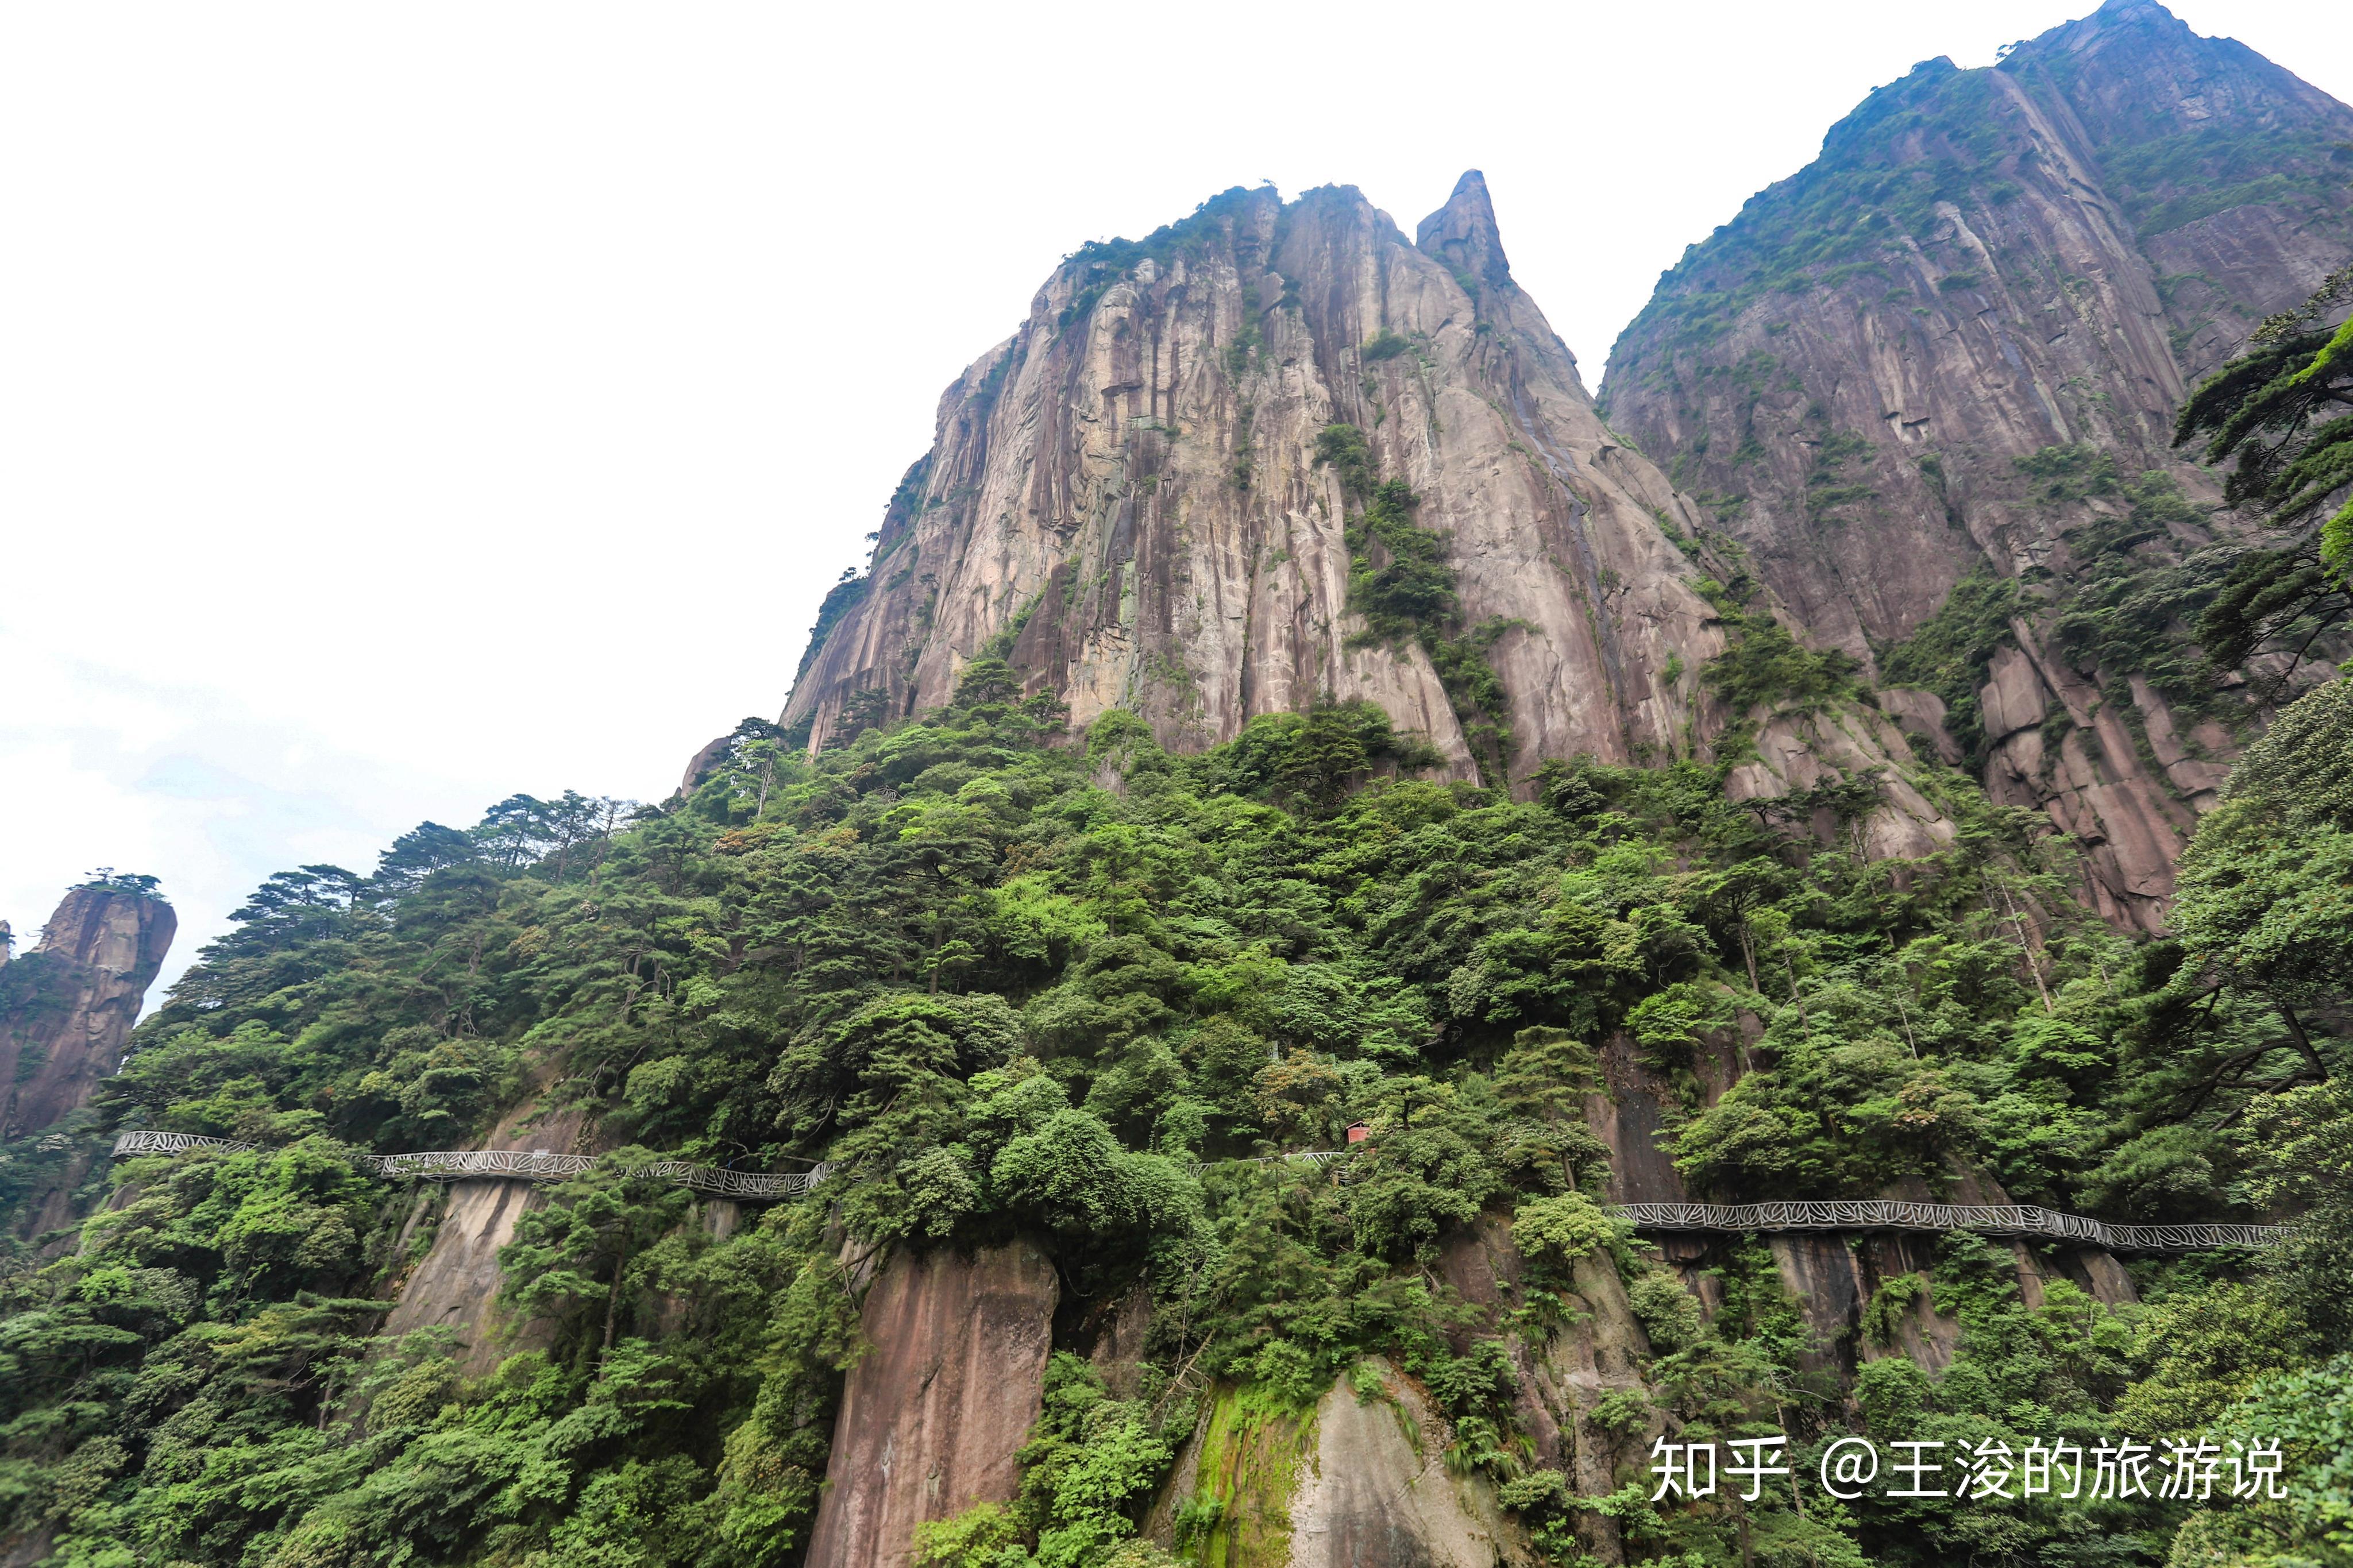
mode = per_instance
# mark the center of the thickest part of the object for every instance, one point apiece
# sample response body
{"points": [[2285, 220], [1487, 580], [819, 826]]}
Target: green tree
{"points": [[2279, 412]]}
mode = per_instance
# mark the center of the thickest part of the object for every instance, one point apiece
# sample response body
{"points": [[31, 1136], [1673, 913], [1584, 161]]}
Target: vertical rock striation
{"points": [[1125, 498], [1375, 1492], [456, 1284], [933, 1414], [1983, 265], [1562, 1375], [1360, 1481], [69, 1003]]}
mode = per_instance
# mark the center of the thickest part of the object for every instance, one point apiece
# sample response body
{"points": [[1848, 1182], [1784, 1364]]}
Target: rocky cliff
{"points": [[932, 1417], [1930, 381], [1136, 501], [69, 1003], [455, 1285], [1357, 1482]]}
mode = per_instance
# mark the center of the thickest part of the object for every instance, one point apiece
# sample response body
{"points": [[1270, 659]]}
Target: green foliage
{"points": [[2263, 910], [1012, 983], [2127, 606], [1343, 450], [1547, 1075], [2019, 1372], [2174, 177], [2309, 1414], [2260, 922], [2276, 413], [1552, 1232], [1844, 1108], [2063, 474], [1945, 135], [1399, 577], [1925, 139], [1091, 1465], [840, 600], [1400, 581], [106, 878], [1767, 666], [1950, 653], [2131, 603], [2300, 1161], [1883, 1314], [1314, 761], [1097, 265], [1828, 491]]}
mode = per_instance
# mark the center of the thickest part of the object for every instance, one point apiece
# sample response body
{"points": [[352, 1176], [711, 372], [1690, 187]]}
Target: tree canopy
{"points": [[1012, 981], [2282, 414]]}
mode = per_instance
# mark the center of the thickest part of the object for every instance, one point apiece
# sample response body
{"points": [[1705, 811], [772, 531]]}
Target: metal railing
{"points": [[1318, 1157], [175, 1142], [1989, 1219], [1849, 1214], [515, 1165]]}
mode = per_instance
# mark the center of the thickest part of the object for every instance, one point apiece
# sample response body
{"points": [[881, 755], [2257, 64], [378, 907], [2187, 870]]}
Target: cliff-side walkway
{"points": [[1838, 1214]]}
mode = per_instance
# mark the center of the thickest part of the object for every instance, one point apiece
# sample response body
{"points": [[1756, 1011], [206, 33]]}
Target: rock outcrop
{"points": [[1375, 1493], [1562, 1376], [1362, 1478], [933, 1414], [456, 1284], [71, 1003], [1358, 1482], [1125, 498], [1984, 266], [1831, 1277]]}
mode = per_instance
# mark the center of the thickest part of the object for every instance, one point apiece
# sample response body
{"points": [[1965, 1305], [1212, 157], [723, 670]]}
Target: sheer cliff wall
{"points": [[1125, 498], [1954, 344], [74, 1000]]}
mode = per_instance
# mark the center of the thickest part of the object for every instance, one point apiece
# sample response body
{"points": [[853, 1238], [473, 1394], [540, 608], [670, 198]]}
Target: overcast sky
{"points": [[403, 405]]}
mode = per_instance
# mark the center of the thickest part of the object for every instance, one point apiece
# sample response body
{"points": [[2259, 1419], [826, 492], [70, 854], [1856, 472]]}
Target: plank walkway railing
{"points": [[519, 1164], [1988, 1219], [1305, 1157], [1849, 1215]]}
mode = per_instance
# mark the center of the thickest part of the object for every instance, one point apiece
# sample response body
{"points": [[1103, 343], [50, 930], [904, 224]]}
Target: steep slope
{"points": [[67, 1011], [1954, 345], [1041, 1009], [455, 1284], [1352, 1482], [1047, 1007], [931, 1424], [1136, 501]]}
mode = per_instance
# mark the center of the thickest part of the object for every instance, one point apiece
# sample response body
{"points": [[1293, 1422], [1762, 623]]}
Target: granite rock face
{"points": [[456, 1284], [1982, 265], [1372, 1496], [1357, 1482], [932, 1416], [81, 987], [2066, 285], [1562, 1377], [1124, 499]]}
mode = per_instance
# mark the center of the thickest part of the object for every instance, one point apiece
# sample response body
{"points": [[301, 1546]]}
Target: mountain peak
{"points": [[2114, 13], [1463, 233], [1154, 498]]}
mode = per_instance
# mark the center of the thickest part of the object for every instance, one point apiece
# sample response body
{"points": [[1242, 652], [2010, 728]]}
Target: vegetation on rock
{"points": [[999, 980], [1011, 983], [2278, 413], [1399, 579]]}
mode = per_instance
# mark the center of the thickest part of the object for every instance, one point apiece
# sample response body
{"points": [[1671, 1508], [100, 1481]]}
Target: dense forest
{"points": [[1006, 978], [991, 977]]}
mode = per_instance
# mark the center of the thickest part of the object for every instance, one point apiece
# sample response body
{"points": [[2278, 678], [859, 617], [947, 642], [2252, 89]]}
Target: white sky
{"points": [[402, 406]]}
